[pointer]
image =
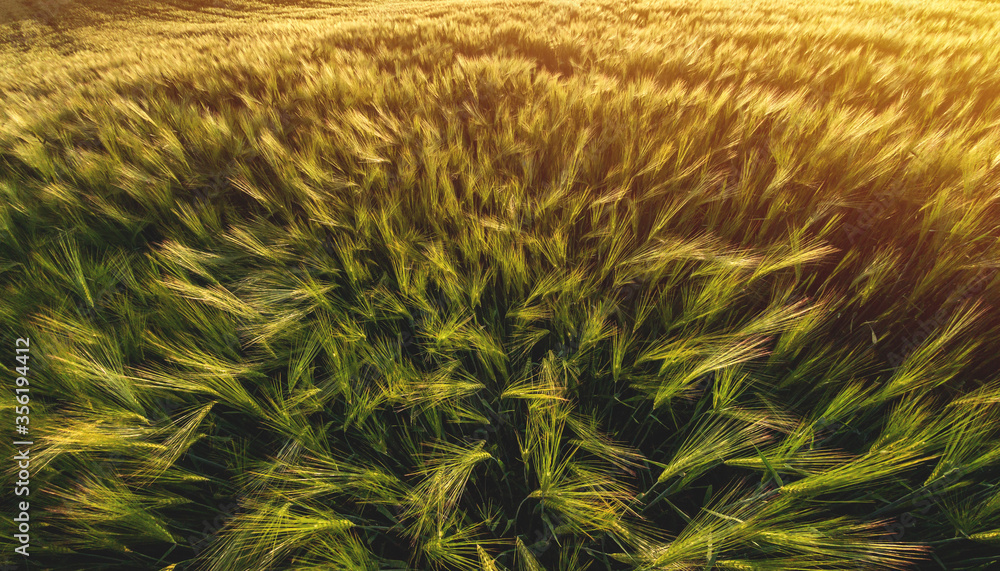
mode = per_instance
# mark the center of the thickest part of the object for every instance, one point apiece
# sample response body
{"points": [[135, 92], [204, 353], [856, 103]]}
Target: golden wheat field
{"points": [[500, 285]]}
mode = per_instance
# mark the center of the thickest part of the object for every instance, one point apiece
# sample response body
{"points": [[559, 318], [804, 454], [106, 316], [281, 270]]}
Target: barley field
{"points": [[500, 285]]}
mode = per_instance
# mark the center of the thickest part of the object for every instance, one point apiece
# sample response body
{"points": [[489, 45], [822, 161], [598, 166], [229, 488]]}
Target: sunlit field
{"points": [[500, 285]]}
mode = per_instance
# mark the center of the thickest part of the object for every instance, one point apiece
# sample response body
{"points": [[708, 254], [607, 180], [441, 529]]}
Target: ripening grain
{"points": [[505, 285]]}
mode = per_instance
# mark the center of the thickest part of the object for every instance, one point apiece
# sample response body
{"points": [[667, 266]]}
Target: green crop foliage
{"points": [[504, 285]]}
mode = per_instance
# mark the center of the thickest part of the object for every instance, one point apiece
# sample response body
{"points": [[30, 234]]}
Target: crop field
{"points": [[499, 285]]}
